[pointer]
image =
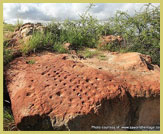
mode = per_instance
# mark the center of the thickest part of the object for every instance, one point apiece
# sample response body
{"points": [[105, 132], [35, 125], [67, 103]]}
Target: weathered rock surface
{"points": [[104, 40], [57, 93], [22, 35]]}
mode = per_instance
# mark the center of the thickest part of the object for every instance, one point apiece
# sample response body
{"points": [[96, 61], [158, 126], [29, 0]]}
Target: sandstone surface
{"points": [[58, 93]]}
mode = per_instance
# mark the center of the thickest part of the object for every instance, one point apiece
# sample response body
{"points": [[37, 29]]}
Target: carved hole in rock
{"points": [[78, 94], [70, 99], [29, 86], [55, 78], [65, 77], [82, 102], [96, 87], [50, 96], [58, 93], [86, 93], [42, 73], [81, 90], [48, 74], [32, 80], [73, 89], [32, 105], [64, 84], [28, 94], [75, 83], [47, 86], [58, 75], [60, 80], [73, 65], [88, 98], [54, 71], [70, 86], [98, 103], [87, 80], [69, 93]]}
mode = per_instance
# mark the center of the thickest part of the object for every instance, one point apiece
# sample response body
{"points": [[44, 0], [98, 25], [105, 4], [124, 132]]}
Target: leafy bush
{"points": [[141, 32], [59, 48], [82, 33], [38, 41]]}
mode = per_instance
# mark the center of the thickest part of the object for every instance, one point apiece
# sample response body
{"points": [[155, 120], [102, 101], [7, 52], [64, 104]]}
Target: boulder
{"points": [[105, 40], [57, 93], [23, 32]]}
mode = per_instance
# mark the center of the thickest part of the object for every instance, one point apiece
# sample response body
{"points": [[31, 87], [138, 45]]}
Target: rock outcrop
{"points": [[57, 93], [26, 30], [105, 40], [22, 35]]}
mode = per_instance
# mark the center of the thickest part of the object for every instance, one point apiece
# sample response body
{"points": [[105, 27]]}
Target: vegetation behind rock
{"points": [[140, 33]]}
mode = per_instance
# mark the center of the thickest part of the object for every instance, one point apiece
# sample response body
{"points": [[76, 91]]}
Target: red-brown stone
{"points": [[56, 93]]}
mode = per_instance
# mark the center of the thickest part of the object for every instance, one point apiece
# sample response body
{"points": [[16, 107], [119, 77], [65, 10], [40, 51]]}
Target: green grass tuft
{"points": [[102, 57], [8, 120], [31, 61]]}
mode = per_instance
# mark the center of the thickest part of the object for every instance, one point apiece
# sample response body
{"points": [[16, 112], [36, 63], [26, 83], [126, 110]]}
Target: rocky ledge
{"points": [[53, 92]]}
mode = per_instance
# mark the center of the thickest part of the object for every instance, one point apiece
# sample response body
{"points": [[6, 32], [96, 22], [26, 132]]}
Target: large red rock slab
{"points": [[55, 93]]}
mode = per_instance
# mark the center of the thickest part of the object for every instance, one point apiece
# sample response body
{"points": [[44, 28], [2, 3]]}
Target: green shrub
{"points": [[82, 33], [141, 32], [39, 41], [59, 48]]}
